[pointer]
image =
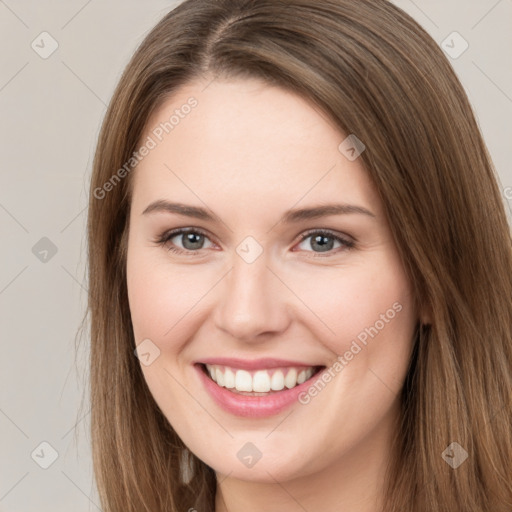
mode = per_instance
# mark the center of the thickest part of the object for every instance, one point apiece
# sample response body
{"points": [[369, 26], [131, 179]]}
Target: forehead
{"points": [[243, 140]]}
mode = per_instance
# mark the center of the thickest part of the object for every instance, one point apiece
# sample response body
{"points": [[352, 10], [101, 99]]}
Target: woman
{"points": [[300, 270]]}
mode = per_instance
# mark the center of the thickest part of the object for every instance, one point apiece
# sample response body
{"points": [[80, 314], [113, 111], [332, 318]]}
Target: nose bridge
{"points": [[251, 301]]}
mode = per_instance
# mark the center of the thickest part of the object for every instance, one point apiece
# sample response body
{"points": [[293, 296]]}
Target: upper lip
{"points": [[253, 364]]}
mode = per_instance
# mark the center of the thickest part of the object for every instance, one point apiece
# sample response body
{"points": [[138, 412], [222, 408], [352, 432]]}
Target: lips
{"points": [[255, 404]]}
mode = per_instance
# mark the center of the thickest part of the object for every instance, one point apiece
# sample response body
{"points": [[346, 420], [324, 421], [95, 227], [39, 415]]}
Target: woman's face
{"points": [[260, 274]]}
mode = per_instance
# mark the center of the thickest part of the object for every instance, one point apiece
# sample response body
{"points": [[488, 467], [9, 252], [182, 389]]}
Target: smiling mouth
{"points": [[259, 382]]}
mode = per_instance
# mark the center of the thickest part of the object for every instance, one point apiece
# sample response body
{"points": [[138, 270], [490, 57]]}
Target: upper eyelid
{"points": [[166, 235]]}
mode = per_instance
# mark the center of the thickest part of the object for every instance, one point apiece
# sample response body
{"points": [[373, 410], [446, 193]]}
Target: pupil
{"points": [[193, 238], [322, 244]]}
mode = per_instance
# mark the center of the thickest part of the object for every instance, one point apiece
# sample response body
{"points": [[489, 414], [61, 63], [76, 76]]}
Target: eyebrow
{"points": [[289, 217]]}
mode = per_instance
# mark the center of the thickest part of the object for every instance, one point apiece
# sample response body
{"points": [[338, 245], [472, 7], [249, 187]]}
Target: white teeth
{"points": [[243, 381], [220, 377], [229, 378], [277, 381], [261, 381], [291, 378]]}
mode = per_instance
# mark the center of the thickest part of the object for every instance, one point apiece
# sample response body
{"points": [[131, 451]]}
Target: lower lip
{"points": [[253, 406]]}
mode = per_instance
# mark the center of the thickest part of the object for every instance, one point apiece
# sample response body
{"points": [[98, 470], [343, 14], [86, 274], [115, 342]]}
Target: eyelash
{"points": [[164, 238]]}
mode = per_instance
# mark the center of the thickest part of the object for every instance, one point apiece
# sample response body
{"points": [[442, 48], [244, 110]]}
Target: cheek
{"points": [[363, 312], [148, 296], [350, 299], [163, 298]]}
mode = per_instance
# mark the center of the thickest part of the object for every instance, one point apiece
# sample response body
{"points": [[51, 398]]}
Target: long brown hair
{"points": [[377, 74]]}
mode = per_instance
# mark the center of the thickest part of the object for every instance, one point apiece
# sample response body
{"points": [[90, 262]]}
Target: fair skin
{"points": [[248, 153]]}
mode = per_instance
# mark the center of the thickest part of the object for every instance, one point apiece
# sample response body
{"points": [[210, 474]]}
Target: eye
{"points": [[191, 240], [324, 241]]}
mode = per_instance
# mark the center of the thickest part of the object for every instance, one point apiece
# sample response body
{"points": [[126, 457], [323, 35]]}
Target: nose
{"points": [[253, 302]]}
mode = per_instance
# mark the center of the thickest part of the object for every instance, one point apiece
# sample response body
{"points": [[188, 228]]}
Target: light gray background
{"points": [[51, 110]]}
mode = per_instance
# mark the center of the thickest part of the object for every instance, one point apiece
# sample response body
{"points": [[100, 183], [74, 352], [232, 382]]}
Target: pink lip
{"points": [[254, 364], [252, 406]]}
